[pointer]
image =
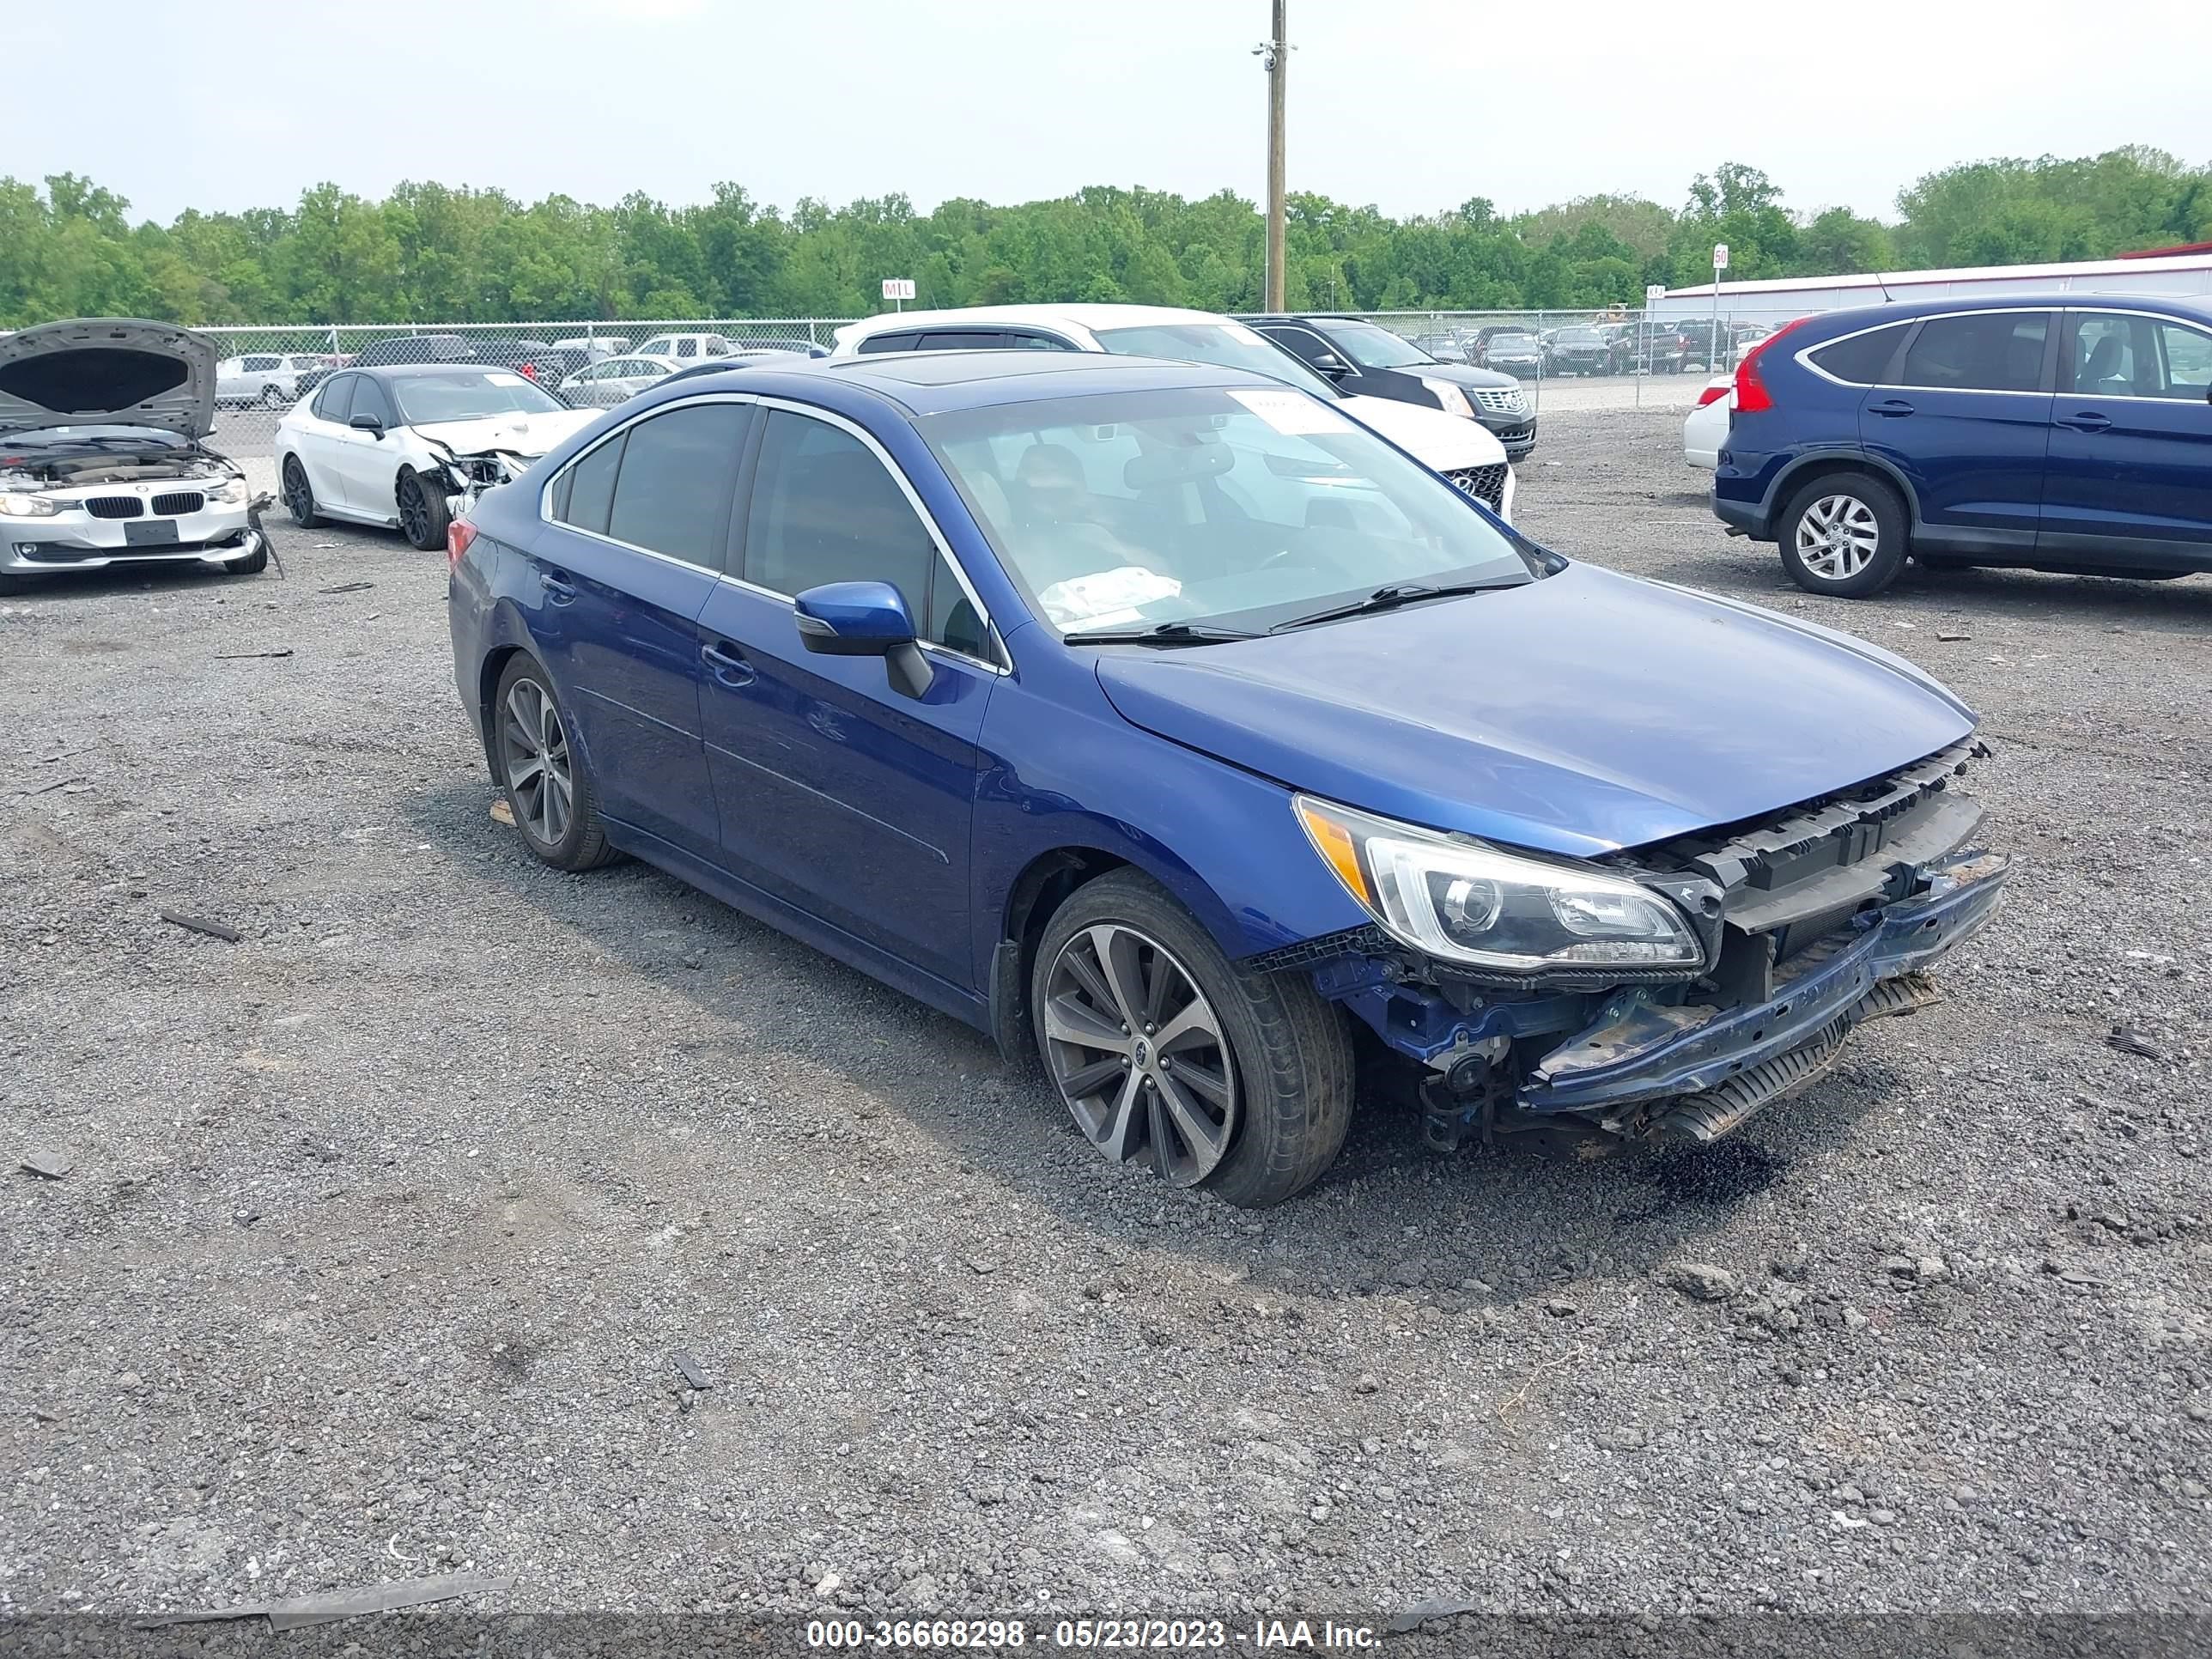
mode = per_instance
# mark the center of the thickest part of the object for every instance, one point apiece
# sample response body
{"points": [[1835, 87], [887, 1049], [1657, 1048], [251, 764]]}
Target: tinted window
{"points": [[589, 489], [952, 618], [824, 510], [889, 343], [259, 365], [335, 401], [1863, 359], [687, 348], [368, 399], [678, 471], [1020, 341], [965, 340], [1304, 343], [1979, 351], [2187, 356]]}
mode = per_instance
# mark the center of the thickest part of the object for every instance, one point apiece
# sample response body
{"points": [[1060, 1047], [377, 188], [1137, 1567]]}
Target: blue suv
{"points": [[2065, 432], [1181, 732]]}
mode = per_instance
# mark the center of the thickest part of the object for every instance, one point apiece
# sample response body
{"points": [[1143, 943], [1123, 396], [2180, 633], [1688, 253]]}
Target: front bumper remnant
{"points": [[1696, 1072]]}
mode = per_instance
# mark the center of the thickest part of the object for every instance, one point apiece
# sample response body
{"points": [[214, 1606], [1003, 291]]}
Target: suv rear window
{"points": [[1862, 358]]}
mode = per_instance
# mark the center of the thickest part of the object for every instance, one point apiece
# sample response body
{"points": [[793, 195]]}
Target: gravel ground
{"points": [[382, 1223]]}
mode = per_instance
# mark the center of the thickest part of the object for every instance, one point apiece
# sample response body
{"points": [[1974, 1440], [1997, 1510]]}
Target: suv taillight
{"points": [[1712, 394], [458, 535], [1751, 393]]}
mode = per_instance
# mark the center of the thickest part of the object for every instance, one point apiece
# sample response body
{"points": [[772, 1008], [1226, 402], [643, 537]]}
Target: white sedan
{"points": [[1706, 428], [411, 445], [616, 381]]}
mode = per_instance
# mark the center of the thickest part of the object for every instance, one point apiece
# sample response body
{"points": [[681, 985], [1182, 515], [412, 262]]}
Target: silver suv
{"points": [[270, 378]]}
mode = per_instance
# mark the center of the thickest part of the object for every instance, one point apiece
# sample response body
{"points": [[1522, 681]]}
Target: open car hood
{"points": [[1439, 441], [1578, 714], [107, 371]]}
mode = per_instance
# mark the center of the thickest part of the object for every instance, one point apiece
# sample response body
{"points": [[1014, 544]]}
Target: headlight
{"points": [[1464, 902], [1453, 400], [16, 504], [230, 493]]}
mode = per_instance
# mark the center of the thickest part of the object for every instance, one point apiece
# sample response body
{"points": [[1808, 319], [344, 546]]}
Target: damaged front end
{"points": [[1738, 960], [467, 474]]}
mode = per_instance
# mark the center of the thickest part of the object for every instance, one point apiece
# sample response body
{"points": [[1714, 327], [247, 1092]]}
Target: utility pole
{"points": [[1275, 55]]}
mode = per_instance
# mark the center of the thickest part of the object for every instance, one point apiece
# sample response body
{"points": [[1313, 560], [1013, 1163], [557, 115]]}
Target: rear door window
{"points": [[1978, 351], [894, 341], [586, 490], [679, 472], [1862, 358], [335, 401], [2185, 356]]}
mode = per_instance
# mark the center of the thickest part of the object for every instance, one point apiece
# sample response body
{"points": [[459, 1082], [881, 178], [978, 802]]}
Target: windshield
{"points": [[1230, 345], [1238, 507], [1512, 342], [1376, 348], [1581, 336], [468, 394]]}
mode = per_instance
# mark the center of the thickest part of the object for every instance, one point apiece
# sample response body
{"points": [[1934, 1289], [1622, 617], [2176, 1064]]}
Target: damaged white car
{"points": [[413, 445], [100, 459]]}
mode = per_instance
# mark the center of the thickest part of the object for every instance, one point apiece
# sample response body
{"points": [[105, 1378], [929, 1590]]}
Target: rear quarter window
{"points": [[1861, 359]]}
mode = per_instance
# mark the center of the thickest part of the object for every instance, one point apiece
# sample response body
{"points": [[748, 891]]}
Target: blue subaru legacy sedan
{"points": [[1179, 733], [2069, 432]]}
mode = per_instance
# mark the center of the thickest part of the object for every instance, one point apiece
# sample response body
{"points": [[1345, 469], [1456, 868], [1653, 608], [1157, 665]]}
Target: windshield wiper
{"points": [[1392, 596], [1166, 633]]}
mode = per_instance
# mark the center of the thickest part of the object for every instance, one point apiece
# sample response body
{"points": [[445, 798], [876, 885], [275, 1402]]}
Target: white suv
{"points": [[270, 378], [1463, 451], [688, 348]]}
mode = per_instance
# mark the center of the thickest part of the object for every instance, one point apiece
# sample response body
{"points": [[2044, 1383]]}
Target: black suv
{"points": [[1371, 361]]}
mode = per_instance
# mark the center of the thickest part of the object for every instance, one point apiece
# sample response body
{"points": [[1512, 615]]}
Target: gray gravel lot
{"points": [[382, 1223]]}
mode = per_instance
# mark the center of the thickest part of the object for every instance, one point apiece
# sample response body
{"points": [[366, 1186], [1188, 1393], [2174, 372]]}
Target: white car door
{"points": [[229, 378], [368, 461], [316, 430]]}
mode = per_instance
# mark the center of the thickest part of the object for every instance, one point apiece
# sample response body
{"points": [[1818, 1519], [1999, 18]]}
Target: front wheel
{"points": [[249, 564], [422, 515], [1843, 535], [1168, 1055], [272, 397]]}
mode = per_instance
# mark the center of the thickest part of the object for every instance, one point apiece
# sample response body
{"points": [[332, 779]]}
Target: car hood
{"points": [[1578, 714], [523, 434], [1466, 376], [107, 371], [1439, 441]]}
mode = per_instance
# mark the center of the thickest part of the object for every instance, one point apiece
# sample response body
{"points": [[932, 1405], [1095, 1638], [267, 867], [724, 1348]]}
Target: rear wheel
{"points": [[300, 496], [272, 397], [1169, 1056], [548, 790], [1843, 535], [422, 515]]}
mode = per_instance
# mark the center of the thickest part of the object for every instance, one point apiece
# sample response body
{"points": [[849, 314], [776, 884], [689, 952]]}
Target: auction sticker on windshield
{"points": [[1292, 413], [499, 379], [1107, 596]]}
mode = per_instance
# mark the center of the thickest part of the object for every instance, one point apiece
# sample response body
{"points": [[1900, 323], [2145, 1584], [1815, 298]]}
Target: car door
{"points": [[2128, 479], [1968, 424], [840, 794], [367, 463], [636, 538], [323, 436], [633, 376]]}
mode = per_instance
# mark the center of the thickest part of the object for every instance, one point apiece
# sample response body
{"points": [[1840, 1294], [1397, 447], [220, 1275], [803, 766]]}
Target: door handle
{"points": [[560, 591], [1890, 407], [726, 664], [2087, 420]]}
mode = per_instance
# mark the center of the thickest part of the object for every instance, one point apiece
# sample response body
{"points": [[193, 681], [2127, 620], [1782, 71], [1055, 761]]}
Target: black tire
{"points": [[422, 515], [11, 584], [300, 496], [252, 565], [272, 397], [1851, 508], [582, 842], [1290, 1060]]}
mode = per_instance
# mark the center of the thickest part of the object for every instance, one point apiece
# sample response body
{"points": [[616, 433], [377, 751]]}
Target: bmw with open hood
{"points": [[1174, 727], [101, 457]]}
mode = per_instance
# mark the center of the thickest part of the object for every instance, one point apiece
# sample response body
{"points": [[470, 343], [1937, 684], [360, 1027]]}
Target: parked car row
{"points": [[1363, 357]]}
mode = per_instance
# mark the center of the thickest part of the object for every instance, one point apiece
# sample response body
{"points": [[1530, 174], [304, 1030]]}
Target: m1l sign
{"points": [[898, 288]]}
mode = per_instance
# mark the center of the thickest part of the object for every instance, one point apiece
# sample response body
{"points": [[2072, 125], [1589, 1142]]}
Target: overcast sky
{"points": [[1411, 105]]}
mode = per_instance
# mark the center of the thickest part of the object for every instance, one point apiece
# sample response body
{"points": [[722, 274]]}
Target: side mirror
{"points": [[864, 619], [1332, 365], [368, 424]]}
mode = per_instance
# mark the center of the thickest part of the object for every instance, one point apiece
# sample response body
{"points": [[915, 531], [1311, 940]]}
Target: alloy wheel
{"points": [[414, 509], [539, 779], [297, 496], [1138, 1054], [1838, 537]]}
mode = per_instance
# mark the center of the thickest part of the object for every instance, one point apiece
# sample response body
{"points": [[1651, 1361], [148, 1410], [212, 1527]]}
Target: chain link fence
{"points": [[1595, 358]]}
